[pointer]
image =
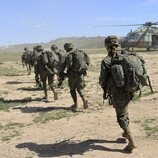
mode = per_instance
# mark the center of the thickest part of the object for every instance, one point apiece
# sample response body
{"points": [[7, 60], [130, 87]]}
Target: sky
{"points": [[33, 21]]}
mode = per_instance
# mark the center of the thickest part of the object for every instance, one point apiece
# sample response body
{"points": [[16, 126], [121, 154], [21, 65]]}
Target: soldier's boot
{"points": [[75, 106], [131, 144], [45, 98], [124, 135], [45, 93], [74, 97]]}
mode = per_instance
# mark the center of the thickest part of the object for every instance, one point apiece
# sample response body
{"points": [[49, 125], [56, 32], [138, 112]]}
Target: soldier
{"points": [[62, 64], [47, 71], [77, 63], [26, 60], [35, 58], [119, 98]]}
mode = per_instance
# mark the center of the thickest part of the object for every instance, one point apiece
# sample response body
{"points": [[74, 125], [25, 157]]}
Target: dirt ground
{"points": [[32, 128]]}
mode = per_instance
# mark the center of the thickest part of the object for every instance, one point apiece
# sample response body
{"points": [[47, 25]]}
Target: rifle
{"points": [[105, 96], [151, 88]]}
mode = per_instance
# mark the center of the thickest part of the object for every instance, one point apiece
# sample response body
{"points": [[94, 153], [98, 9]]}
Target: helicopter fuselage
{"points": [[144, 37]]}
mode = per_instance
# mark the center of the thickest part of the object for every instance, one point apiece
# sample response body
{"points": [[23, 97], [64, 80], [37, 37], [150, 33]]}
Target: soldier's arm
{"points": [[104, 75], [87, 58]]}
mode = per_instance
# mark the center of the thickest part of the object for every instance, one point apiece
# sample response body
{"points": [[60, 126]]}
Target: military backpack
{"points": [[80, 61], [51, 60], [129, 72]]}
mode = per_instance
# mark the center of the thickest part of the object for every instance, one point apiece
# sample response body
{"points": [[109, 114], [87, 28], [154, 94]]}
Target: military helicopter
{"points": [[145, 36]]}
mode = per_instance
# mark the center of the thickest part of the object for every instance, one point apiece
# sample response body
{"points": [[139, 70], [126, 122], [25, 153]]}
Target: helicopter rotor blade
{"points": [[120, 25]]}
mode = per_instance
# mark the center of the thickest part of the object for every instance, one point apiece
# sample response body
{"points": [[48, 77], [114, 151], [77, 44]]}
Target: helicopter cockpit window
{"points": [[134, 36]]}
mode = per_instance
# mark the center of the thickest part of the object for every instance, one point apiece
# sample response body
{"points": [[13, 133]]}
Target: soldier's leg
{"points": [[44, 81], [29, 68], [37, 78], [60, 79], [72, 86], [123, 120], [131, 143], [80, 88], [51, 84]]}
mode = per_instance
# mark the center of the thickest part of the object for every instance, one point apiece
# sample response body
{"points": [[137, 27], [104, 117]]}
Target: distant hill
{"points": [[79, 42]]}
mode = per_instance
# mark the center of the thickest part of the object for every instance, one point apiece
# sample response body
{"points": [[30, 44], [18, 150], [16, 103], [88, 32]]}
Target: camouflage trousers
{"points": [[77, 83], [120, 100], [37, 75], [50, 77], [123, 116], [44, 76]]}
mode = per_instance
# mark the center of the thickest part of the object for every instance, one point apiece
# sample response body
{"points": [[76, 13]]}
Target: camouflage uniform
{"points": [[119, 98], [62, 64], [24, 56], [35, 59], [46, 73], [76, 80], [26, 60]]}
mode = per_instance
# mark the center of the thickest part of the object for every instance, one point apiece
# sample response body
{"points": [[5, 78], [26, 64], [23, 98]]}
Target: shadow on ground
{"points": [[69, 148], [27, 109], [17, 82], [30, 89], [24, 100]]}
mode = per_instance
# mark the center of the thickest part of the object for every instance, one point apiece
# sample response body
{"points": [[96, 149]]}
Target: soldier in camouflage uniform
{"points": [[24, 56], [35, 58], [76, 80], [26, 60], [62, 64], [118, 96], [46, 72]]}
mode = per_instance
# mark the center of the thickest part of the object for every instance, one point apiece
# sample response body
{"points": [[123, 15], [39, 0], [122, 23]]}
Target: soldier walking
{"points": [[35, 60], [118, 96], [77, 63], [25, 58], [62, 64], [47, 71]]}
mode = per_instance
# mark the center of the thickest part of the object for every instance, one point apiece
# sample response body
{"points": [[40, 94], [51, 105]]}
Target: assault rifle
{"points": [[151, 88]]}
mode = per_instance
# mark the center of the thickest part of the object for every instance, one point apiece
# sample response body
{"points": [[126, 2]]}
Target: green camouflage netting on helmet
{"points": [[111, 40]]}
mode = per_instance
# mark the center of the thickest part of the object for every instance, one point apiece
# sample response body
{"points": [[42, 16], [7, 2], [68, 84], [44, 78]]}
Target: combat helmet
{"points": [[34, 47], [111, 41], [68, 46], [39, 48], [54, 47], [26, 49]]}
